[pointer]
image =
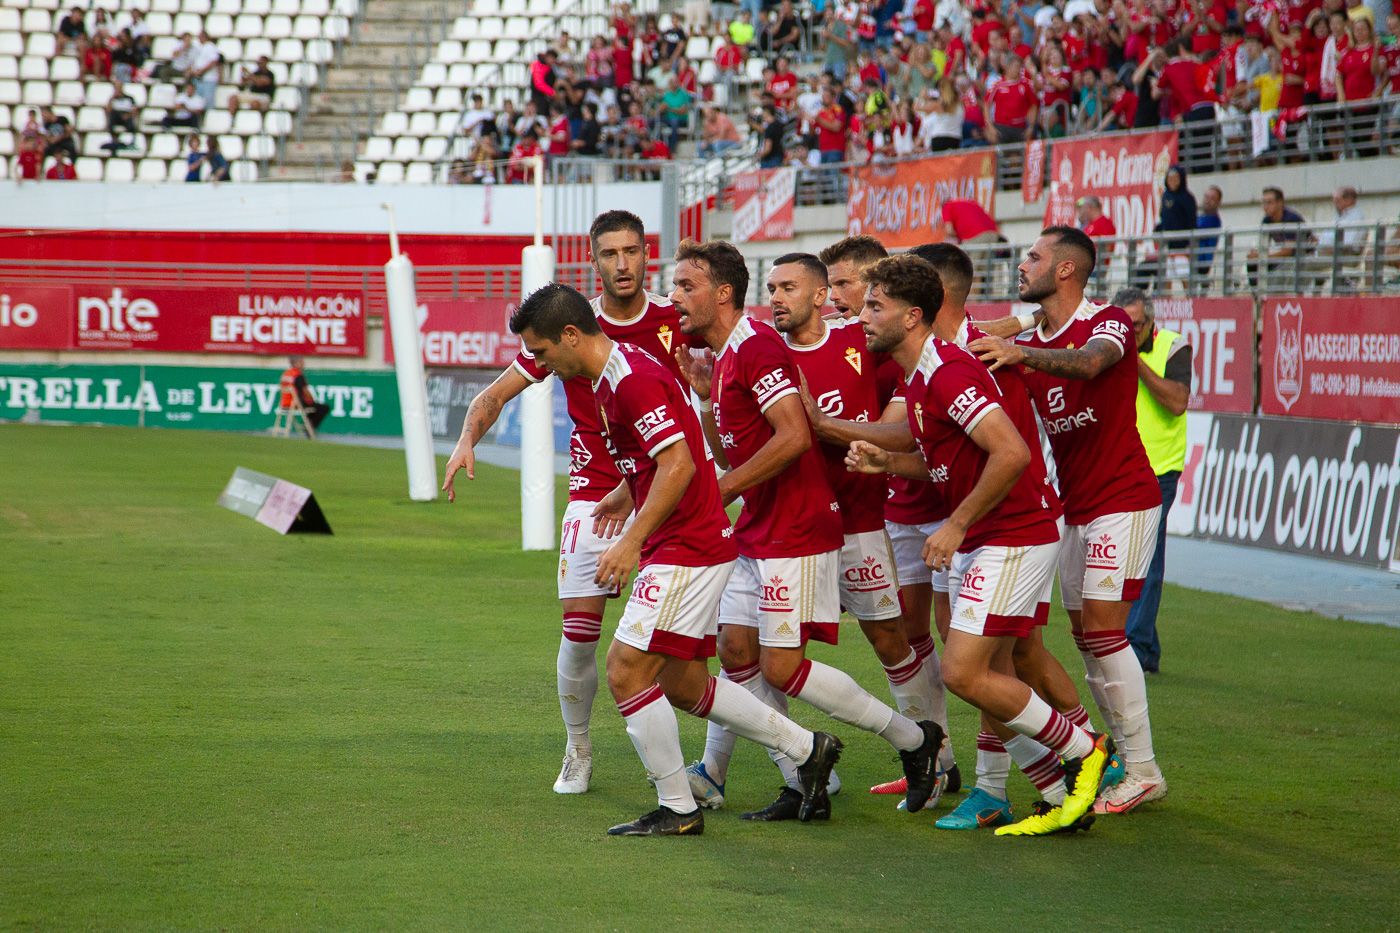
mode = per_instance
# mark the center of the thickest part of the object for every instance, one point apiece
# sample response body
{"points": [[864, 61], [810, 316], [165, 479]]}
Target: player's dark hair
{"points": [[953, 265], [552, 308], [1275, 191], [725, 263], [858, 250], [908, 278], [807, 261], [613, 222], [1077, 240]]}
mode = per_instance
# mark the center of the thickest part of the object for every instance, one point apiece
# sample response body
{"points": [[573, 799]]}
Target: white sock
{"points": [[719, 741], [1093, 676], [1126, 689], [779, 701], [577, 678], [651, 725], [1040, 766], [910, 688], [993, 765], [744, 714], [933, 672], [1051, 729], [836, 694]]}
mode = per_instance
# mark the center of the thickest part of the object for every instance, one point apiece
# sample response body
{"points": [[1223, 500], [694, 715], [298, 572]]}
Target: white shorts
{"points": [[1107, 558], [869, 581], [907, 542], [1003, 590], [674, 610], [579, 550], [788, 599]]}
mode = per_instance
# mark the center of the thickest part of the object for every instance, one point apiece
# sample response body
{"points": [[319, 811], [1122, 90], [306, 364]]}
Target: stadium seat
{"points": [[230, 47], [460, 75], [391, 173], [162, 95], [162, 28], [486, 7], [422, 124], [512, 7], [257, 7], [217, 122], [9, 20], [505, 50], [255, 48], [305, 74], [222, 95], [177, 170], [63, 69], [465, 27], [419, 173], [517, 27], [152, 170], [90, 119], [243, 171], [492, 27], [33, 68], [36, 21], [286, 7], [335, 28], [247, 123], [434, 75], [225, 7], [477, 50], [406, 148], [418, 98], [434, 149], [92, 143], [187, 23], [448, 98], [347, 7], [287, 98], [277, 123], [321, 8], [248, 26], [393, 123], [289, 50], [260, 148], [38, 93], [219, 25], [449, 50], [231, 147], [164, 146], [201, 7], [541, 8], [319, 51], [5, 117], [42, 44], [447, 124], [69, 93], [165, 6], [119, 170], [377, 148], [11, 44], [88, 169], [7, 143]]}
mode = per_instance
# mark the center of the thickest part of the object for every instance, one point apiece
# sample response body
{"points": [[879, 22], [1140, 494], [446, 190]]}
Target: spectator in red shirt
{"points": [[1010, 107], [1205, 20], [28, 162], [1186, 101], [1056, 82], [1359, 67], [1122, 114], [624, 24], [969, 222], [559, 134], [730, 57], [655, 149], [622, 63], [833, 128], [923, 20], [62, 169], [783, 85], [982, 28], [96, 60], [519, 166], [1098, 225]]}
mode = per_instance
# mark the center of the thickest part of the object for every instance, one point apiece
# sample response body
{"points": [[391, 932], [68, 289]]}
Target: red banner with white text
{"points": [[274, 321], [901, 203], [1033, 171], [1333, 358], [1125, 171], [763, 203], [463, 333], [1221, 334]]}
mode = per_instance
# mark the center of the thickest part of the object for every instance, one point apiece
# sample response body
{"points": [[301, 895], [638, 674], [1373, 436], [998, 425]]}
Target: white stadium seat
{"points": [[336, 27], [248, 26], [230, 48], [88, 169], [9, 20], [391, 173], [377, 148], [7, 143], [466, 27], [449, 50], [422, 124], [90, 120], [247, 123], [277, 123], [36, 21], [63, 69], [512, 7], [178, 169], [447, 124], [162, 95], [491, 28], [419, 173], [418, 98], [69, 93], [448, 98], [227, 7], [393, 123], [119, 170], [152, 170], [460, 75], [287, 98], [11, 44], [231, 147], [260, 148], [258, 7], [38, 93], [33, 68], [478, 50], [42, 44], [541, 7], [217, 122], [434, 148], [188, 23], [434, 75], [200, 7], [243, 171], [406, 148], [517, 27], [486, 7], [218, 25], [318, 8], [319, 51], [286, 7], [289, 50], [164, 146]]}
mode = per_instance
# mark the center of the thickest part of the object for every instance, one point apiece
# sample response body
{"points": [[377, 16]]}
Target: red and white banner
{"points": [[274, 322], [35, 317], [1125, 171], [763, 202], [1334, 358], [1033, 171], [463, 333], [901, 203], [1221, 334]]}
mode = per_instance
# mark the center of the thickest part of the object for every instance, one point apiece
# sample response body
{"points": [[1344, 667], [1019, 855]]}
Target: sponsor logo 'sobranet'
{"points": [[1311, 487], [1335, 358]]}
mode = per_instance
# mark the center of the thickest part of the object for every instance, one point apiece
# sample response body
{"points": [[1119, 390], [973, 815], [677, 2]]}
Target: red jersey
{"points": [[829, 140], [782, 86], [841, 374], [794, 514], [592, 474], [969, 219], [559, 137], [622, 64], [1125, 109], [949, 394], [1355, 68], [61, 172], [1101, 225], [910, 501], [1293, 63], [1392, 67], [1179, 78], [29, 163], [1092, 423], [644, 409], [982, 33], [923, 15], [1051, 95], [1011, 101]]}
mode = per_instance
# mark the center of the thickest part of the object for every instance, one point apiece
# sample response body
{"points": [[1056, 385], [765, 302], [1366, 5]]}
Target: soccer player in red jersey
{"points": [[1000, 541], [682, 540], [1081, 366], [784, 589], [840, 375], [626, 311]]}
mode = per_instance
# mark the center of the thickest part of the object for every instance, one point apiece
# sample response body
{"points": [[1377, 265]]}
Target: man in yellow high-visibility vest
{"points": [[1164, 388]]}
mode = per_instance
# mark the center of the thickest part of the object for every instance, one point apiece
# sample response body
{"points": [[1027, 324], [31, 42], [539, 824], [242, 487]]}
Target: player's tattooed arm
{"points": [[1084, 362], [481, 415]]}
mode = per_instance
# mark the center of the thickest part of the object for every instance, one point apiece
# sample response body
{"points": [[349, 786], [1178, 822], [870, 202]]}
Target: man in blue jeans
{"points": [[1164, 388]]}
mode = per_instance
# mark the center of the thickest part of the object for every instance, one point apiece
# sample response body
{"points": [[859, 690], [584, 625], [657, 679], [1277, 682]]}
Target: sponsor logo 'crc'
{"points": [[871, 571], [1102, 549], [972, 580]]}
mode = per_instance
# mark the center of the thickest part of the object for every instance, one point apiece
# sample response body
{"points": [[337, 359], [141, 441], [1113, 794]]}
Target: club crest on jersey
{"points": [[665, 335], [774, 597], [919, 414], [853, 357], [563, 567]]}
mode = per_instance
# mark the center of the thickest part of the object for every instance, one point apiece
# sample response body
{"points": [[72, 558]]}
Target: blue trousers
{"points": [[1142, 619]]}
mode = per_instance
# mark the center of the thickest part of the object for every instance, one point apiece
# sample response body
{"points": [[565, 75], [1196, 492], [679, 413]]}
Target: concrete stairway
{"points": [[389, 43]]}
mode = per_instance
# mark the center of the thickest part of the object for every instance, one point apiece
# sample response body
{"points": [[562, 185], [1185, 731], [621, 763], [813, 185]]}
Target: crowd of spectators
{"points": [[863, 80]]}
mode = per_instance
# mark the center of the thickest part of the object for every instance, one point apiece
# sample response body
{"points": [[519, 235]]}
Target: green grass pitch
{"points": [[205, 725]]}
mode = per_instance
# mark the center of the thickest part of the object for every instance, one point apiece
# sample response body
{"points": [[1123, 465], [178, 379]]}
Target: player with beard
{"points": [[784, 589], [684, 544], [840, 372], [1081, 366], [1000, 540], [625, 311]]}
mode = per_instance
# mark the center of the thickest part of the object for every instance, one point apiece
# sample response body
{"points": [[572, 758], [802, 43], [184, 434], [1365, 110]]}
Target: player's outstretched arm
{"points": [[1007, 459], [791, 438], [481, 415], [891, 432], [675, 468], [1009, 326], [865, 457], [1084, 362]]}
